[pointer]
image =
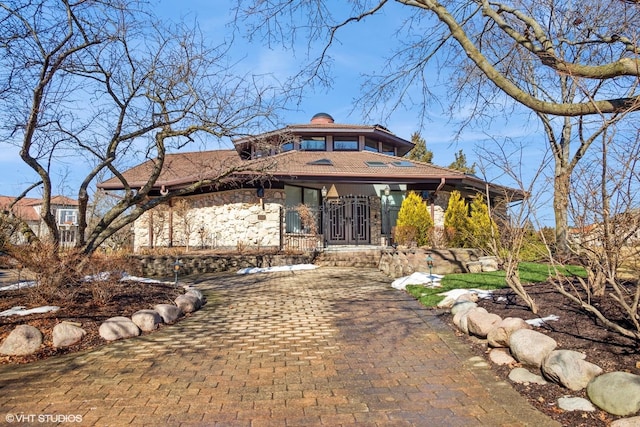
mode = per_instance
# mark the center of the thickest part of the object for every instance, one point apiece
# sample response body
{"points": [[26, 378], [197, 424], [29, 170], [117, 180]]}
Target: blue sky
{"points": [[360, 49]]}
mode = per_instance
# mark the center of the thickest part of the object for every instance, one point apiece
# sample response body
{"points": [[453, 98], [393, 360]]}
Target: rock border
{"points": [[66, 334], [535, 358]]}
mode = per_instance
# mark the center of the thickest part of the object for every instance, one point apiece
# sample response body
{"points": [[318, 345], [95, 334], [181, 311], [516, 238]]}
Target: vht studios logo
{"points": [[42, 418]]}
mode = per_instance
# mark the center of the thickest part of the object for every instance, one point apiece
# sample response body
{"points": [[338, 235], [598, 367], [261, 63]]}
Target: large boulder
{"points": [[568, 368], [458, 295], [462, 306], [117, 328], [617, 393], [147, 320], [188, 303], [480, 322], [626, 422], [168, 312], [197, 294], [461, 317], [499, 335], [66, 334], [23, 340], [530, 347]]}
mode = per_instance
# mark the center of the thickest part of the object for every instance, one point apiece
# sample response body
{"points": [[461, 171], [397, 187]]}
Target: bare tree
{"points": [[109, 85], [507, 241], [606, 210], [555, 58]]}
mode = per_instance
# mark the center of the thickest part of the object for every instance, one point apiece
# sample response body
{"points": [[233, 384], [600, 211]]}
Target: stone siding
{"points": [[228, 219]]}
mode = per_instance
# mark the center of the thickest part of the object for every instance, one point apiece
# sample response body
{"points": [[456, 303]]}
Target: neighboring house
{"points": [[624, 231], [63, 208], [325, 184]]}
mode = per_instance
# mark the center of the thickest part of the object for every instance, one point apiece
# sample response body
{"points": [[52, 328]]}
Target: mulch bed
{"points": [[574, 330], [89, 305]]}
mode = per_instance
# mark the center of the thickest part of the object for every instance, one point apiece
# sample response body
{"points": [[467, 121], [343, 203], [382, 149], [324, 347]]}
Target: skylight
{"points": [[403, 164], [323, 162], [373, 164]]}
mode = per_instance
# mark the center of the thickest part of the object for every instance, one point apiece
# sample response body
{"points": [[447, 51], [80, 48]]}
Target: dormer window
{"points": [[313, 143]]}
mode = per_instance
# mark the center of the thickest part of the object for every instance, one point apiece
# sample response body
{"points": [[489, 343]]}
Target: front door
{"points": [[347, 221]]}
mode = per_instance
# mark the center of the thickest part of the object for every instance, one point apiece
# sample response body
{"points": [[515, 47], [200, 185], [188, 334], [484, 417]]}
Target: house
{"points": [[64, 209], [322, 183]]}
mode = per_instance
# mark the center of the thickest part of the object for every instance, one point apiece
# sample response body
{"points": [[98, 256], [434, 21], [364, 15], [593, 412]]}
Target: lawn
{"points": [[529, 273]]}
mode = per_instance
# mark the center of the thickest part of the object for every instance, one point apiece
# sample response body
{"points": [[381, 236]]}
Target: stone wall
{"points": [[162, 266], [403, 262], [227, 219]]}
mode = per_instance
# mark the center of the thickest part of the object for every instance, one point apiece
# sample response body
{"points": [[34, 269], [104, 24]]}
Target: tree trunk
{"points": [[561, 187]]}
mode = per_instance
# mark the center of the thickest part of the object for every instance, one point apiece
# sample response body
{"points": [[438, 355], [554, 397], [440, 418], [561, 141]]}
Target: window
{"points": [[313, 143], [67, 217], [286, 147], [295, 196], [371, 145], [388, 150], [345, 143]]}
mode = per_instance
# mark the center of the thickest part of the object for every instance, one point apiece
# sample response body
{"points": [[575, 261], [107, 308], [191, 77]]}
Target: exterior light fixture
{"points": [[177, 265], [430, 265], [324, 191]]}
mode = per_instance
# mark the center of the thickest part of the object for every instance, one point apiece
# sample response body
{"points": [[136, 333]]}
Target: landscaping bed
{"points": [[573, 330], [88, 304]]}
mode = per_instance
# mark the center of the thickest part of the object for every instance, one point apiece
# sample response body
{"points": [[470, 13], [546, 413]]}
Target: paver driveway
{"points": [[331, 346]]}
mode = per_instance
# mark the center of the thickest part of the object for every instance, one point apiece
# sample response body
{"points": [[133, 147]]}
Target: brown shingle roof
{"points": [[327, 166], [356, 165], [179, 168]]}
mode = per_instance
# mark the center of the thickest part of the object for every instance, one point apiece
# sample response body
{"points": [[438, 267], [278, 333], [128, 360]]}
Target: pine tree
{"points": [[460, 164], [414, 217], [419, 152], [456, 221]]}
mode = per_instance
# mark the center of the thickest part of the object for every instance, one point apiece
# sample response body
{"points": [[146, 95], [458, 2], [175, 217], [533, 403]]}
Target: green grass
{"points": [[529, 273]]}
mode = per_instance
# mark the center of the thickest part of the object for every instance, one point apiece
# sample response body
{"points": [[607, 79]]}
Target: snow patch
{"points": [[127, 278], [21, 311], [455, 293], [541, 320], [18, 285], [417, 278]]}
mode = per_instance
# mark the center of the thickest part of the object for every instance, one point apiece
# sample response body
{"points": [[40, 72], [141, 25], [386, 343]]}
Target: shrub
{"points": [[482, 229], [414, 213], [456, 222]]}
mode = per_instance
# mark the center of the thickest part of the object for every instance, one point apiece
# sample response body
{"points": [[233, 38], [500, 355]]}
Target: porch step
{"points": [[349, 258]]}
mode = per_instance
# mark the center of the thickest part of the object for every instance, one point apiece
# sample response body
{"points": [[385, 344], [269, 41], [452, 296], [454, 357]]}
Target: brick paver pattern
{"points": [[325, 347]]}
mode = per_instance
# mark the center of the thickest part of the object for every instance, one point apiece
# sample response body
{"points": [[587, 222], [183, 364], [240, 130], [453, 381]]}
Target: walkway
{"points": [[325, 347]]}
